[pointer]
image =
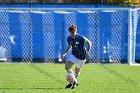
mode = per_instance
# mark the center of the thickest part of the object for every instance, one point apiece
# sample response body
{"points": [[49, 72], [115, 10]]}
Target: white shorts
{"points": [[79, 63]]}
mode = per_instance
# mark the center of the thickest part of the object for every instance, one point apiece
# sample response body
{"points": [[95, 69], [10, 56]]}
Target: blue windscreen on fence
{"points": [[43, 34]]}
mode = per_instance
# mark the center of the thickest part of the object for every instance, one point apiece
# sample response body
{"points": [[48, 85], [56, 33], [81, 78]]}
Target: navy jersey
{"points": [[78, 49]]}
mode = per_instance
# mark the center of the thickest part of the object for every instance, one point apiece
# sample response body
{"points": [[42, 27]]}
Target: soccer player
{"points": [[79, 53]]}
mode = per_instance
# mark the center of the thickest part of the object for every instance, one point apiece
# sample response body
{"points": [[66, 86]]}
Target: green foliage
{"points": [[121, 1]]}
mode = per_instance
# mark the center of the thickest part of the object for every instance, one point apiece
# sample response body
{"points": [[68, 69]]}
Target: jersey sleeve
{"points": [[85, 39]]}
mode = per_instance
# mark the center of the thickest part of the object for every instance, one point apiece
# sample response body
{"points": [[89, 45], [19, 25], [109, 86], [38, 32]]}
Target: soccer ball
{"points": [[70, 77]]}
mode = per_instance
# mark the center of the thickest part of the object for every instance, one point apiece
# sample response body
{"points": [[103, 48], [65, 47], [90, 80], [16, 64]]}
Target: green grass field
{"points": [[50, 78]]}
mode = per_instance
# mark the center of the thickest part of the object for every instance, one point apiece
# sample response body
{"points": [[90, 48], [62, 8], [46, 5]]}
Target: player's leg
{"points": [[68, 66], [75, 83], [77, 72], [79, 64]]}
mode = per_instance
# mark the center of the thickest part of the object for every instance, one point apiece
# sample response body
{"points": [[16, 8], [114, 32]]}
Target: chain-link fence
{"points": [[41, 35], [28, 35]]}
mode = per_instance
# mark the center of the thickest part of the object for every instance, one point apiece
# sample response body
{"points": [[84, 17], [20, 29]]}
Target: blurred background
{"points": [[112, 2]]}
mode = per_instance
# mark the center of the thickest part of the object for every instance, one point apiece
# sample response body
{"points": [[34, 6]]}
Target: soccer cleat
{"points": [[74, 85], [69, 85], [77, 84]]}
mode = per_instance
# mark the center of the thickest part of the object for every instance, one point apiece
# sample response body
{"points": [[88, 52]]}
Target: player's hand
{"points": [[87, 55]]}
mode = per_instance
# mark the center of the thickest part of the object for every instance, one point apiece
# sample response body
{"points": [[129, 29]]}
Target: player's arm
{"points": [[89, 45], [67, 50], [88, 48]]}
